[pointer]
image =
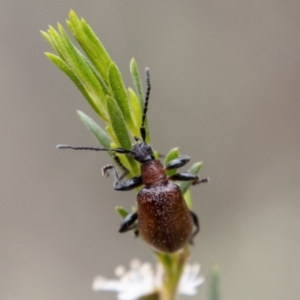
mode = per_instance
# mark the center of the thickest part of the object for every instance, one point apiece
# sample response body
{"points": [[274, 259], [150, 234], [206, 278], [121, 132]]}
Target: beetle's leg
{"points": [[185, 176], [125, 170], [197, 225], [122, 186], [129, 222], [177, 162]]}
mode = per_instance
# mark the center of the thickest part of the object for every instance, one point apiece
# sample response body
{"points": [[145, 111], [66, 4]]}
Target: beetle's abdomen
{"points": [[164, 220]]}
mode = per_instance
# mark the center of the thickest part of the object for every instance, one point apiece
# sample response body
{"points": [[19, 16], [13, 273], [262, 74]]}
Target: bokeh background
{"points": [[225, 77]]}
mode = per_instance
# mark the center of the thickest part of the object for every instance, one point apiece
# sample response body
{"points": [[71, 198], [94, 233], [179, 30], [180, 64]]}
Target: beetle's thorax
{"points": [[153, 173]]}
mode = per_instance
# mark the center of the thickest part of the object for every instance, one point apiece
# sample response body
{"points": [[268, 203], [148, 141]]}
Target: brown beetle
{"points": [[162, 219]]}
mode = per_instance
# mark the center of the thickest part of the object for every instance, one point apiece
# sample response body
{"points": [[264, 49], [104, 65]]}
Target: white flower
{"points": [[190, 280], [141, 280]]}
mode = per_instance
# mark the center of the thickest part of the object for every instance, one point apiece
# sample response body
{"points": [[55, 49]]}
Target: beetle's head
{"points": [[142, 152]]}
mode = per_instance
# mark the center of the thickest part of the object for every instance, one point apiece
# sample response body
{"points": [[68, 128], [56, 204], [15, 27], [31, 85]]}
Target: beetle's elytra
{"points": [[162, 219]]}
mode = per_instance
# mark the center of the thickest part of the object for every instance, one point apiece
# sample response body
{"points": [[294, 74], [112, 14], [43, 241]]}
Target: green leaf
{"points": [[69, 72], [188, 199], [122, 211], [48, 38], [90, 44], [95, 129], [113, 136], [102, 83], [55, 41], [214, 288], [137, 81], [79, 65], [118, 123], [53, 38], [136, 111], [194, 170], [138, 85], [90, 81], [173, 153], [119, 92]]}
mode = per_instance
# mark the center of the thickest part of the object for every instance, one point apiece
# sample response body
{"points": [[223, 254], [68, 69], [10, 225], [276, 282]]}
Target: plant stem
{"points": [[173, 265]]}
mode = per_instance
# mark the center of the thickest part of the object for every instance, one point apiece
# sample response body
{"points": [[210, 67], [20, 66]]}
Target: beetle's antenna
{"points": [[142, 129], [118, 150]]}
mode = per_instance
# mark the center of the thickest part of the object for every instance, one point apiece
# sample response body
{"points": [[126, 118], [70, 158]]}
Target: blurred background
{"points": [[225, 78]]}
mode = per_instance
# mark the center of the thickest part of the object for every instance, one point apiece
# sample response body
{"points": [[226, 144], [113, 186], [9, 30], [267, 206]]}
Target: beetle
{"points": [[162, 218]]}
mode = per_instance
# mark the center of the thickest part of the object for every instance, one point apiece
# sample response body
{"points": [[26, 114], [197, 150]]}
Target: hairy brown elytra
{"points": [[162, 219]]}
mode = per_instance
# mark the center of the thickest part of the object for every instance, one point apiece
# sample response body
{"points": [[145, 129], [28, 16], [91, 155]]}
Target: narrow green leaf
{"points": [[194, 170], [136, 111], [80, 66], [118, 131], [119, 92], [137, 81], [188, 199], [83, 70], [130, 164], [95, 129], [214, 288], [122, 211], [47, 37], [69, 72], [138, 85], [118, 123], [102, 83], [90, 44], [56, 41], [173, 153], [106, 142], [113, 136]]}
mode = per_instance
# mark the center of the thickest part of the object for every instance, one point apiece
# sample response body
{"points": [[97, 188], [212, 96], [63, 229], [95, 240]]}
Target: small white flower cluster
{"points": [[141, 280], [190, 280]]}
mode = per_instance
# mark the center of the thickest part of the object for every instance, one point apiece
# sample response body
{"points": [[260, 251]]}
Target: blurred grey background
{"points": [[225, 78]]}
